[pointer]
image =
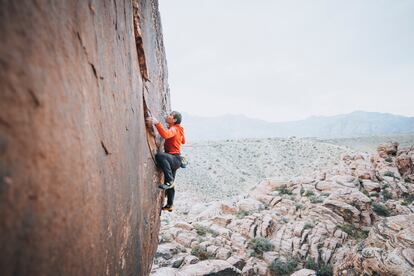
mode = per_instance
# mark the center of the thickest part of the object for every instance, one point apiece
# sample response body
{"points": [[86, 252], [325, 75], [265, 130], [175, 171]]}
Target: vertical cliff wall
{"points": [[78, 185]]}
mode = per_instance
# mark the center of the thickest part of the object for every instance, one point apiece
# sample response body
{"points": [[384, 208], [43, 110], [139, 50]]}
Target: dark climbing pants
{"points": [[169, 164]]}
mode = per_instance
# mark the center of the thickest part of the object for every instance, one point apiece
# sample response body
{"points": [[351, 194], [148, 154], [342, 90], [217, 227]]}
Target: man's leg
{"points": [[164, 161], [170, 193]]}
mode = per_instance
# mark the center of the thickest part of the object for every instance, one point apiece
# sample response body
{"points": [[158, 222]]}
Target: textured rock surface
{"points": [[77, 181]]}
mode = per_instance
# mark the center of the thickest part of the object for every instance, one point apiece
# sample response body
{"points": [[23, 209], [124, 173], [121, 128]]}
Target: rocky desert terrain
{"points": [[305, 207]]}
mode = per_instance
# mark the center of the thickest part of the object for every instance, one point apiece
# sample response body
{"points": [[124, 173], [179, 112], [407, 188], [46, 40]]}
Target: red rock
{"points": [[78, 185]]}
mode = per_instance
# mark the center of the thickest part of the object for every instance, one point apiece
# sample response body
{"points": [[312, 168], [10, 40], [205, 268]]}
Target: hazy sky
{"points": [[288, 60]]}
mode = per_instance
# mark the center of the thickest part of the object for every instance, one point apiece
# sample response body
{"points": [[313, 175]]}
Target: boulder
{"points": [[352, 205], [223, 253], [237, 262], [186, 238], [167, 250], [304, 272], [371, 186], [386, 149], [210, 268], [183, 225], [249, 205], [165, 271], [404, 164]]}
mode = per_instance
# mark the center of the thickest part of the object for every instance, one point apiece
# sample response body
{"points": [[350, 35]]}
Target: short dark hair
{"points": [[177, 117]]}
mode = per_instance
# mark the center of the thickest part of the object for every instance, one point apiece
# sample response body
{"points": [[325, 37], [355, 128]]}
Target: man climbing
{"points": [[170, 160]]}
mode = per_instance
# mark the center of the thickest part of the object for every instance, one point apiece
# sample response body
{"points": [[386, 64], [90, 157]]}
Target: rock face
{"points": [[78, 192]]}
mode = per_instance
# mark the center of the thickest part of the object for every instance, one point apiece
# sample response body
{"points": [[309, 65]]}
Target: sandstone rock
{"points": [[238, 240], [404, 164], [222, 220], [263, 190], [249, 205], [352, 205], [344, 180], [186, 238], [228, 208], [212, 249], [304, 272], [255, 267], [177, 261], [223, 253], [389, 249], [167, 250], [183, 225], [79, 189], [269, 256], [165, 271], [327, 186], [371, 186], [190, 259], [222, 231], [237, 262], [211, 268], [386, 149]]}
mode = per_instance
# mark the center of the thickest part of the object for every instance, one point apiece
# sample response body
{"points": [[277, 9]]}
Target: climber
{"points": [[170, 160]]}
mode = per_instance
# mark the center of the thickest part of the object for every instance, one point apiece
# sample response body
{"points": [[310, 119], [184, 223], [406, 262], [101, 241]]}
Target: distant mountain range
{"points": [[355, 124]]}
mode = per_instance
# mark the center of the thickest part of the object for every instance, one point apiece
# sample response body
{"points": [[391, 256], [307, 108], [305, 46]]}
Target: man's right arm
{"points": [[165, 133]]}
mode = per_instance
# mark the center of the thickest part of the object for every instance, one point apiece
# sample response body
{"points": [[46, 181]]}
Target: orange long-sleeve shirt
{"points": [[174, 137]]}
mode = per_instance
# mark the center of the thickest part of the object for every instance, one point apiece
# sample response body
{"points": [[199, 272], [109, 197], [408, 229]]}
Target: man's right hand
{"points": [[151, 121]]}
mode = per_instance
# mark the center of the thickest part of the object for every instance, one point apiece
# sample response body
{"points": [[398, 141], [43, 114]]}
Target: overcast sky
{"points": [[288, 60]]}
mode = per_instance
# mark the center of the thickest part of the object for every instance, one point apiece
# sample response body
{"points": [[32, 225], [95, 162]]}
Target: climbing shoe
{"points": [[166, 186], [167, 208]]}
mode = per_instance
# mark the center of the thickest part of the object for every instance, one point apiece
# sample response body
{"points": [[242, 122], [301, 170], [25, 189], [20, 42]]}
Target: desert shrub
{"points": [[388, 159], [354, 232], [259, 245], [321, 269], [325, 194], [299, 206], [279, 267], [315, 199], [308, 225], [407, 199], [201, 230], [302, 190], [283, 191], [381, 210], [388, 173], [241, 214], [365, 192], [311, 264], [386, 195], [200, 252], [309, 193], [324, 270]]}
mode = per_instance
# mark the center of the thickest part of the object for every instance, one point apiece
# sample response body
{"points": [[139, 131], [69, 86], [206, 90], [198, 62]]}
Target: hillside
{"points": [[355, 217], [355, 124]]}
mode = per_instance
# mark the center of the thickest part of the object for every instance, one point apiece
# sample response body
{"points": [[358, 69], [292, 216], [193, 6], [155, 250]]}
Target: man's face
{"points": [[169, 119]]}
